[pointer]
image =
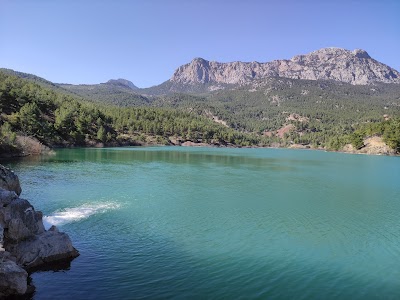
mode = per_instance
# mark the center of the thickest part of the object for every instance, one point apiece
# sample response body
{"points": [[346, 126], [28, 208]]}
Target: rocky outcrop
{"points": [[48, 247], [24, 242], [21, 220], [372, 145], [31, 146], [9, 181], [355, 67], [6, 197], [13, 279]]}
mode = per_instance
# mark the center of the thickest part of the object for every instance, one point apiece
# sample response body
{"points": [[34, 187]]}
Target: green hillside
{"points": [[60, 120], [277, 111]]}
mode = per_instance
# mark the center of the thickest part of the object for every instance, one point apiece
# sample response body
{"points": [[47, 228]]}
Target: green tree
{"points": [[357, 141], [28, 116], [391, 135], [101, 134], [7, 136]]}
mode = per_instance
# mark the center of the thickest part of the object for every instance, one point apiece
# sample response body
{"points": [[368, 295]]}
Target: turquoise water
{"points": [[196, 223]]}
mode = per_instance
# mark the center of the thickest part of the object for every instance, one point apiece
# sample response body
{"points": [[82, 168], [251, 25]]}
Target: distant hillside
{"points": [[119, 92], [317, 110], [123, 83], [30, 77]]}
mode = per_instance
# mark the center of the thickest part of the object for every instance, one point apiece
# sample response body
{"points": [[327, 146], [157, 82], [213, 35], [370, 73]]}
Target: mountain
{"points": [[123, 83], [265, 111], [120, 92], [355, 67], [201, 76]]}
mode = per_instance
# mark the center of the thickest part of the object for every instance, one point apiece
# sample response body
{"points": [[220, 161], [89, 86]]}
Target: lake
{"points": [[218, 223]]}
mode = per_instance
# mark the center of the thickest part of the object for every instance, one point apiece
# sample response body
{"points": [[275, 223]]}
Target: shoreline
{"points": [[10, 156]]}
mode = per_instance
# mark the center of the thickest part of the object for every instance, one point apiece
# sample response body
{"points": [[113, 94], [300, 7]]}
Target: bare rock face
{"points": [[355, 67], [22, 221], [372, 145], [27, 240], [9, 181], [47, 247], [13, 279], [6, 197], [24, 242]]}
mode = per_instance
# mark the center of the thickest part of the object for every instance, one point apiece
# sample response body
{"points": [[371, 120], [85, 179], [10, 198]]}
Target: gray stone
{"points": [[1, 237], [22, 221], [13, 279], [9, 181], [47, 247], [6, 197]]}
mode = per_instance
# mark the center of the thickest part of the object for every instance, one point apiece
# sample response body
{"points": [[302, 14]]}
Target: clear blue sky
{"points": [[91, 41]]}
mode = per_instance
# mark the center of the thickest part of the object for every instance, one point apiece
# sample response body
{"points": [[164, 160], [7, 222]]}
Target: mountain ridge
{"points": [[201, 76], [355, 67]]}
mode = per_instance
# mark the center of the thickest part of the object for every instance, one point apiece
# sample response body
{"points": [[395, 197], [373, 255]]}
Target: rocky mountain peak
{"points": [[331, 54], [196, 71], [354, 67], [199, 61], [360, 53]]}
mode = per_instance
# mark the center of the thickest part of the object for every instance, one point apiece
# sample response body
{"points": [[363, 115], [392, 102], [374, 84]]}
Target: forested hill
{"points": [[56, 119]]}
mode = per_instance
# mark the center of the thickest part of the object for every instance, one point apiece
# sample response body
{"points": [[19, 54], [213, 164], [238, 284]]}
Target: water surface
{"points": [[195, 223]]}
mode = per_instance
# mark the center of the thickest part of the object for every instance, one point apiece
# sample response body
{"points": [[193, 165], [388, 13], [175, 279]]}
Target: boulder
{"points": [[50, 246], [27, 240], [9, 181], [1, 236], [6, 197], [13, 279], [21, 220]]}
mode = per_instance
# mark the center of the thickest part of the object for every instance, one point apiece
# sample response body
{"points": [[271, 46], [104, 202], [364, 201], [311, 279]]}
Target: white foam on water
{"points": [[74, 214]]}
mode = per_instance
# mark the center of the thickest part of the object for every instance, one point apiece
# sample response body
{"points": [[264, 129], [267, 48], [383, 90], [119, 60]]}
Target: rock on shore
{"points": [[9, 181], [24, 243], [372, 145]]}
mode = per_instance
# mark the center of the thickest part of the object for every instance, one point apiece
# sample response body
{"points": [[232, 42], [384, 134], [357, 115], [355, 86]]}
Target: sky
{"points": [[92, 41]]}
